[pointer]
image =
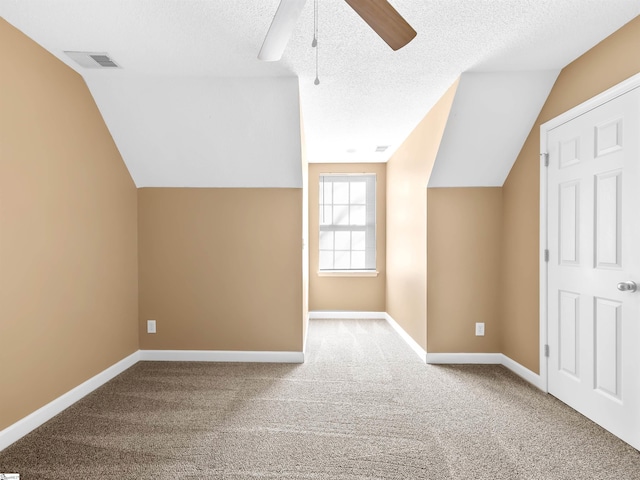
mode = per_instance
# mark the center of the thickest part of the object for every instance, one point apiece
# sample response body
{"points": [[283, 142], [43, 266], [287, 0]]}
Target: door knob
{"points": [[628, 286]]}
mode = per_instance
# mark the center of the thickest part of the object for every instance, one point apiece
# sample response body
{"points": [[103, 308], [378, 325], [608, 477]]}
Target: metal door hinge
{"points": [[546, 351], [545, 159], [546, 255]]}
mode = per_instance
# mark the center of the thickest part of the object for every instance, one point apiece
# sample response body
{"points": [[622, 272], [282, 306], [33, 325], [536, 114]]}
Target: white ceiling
{"points": [[205, 132], [368, 95], [493, 112]]}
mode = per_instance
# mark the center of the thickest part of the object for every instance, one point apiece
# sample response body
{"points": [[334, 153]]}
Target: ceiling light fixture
{"points": [[280, 30]]}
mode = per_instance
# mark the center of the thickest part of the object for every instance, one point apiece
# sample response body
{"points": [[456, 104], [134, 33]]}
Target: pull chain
{"points": [[314, 43]]}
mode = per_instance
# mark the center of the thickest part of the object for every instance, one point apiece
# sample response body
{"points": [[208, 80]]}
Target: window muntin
{"points": [[347, 222]]}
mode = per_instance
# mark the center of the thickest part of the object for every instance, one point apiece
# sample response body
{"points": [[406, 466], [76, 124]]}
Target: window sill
{"points": [[348, 273]]}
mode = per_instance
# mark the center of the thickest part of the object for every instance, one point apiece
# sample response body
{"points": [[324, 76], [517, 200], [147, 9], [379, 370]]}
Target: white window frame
{"points": [[369, 227]]}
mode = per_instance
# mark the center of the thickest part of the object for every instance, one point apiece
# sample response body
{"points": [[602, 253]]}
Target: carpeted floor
{"points": [[361, 407]]}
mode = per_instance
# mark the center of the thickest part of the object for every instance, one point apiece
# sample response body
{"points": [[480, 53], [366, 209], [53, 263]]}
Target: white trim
{"points": [[623, 87], [524, 373], [407, 338], [486, 359], [347, 315], [465, 358], [220, 356], [32, 421], [348, 273], [544, 245], [306, 335]]}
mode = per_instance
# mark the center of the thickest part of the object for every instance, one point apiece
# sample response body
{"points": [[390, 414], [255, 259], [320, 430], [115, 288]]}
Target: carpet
{"points": [[362, 406]]}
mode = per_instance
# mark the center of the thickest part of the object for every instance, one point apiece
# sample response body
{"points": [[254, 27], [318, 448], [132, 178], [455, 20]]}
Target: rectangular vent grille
{"points": [[381, 148], [104, 61], [93, 59]]}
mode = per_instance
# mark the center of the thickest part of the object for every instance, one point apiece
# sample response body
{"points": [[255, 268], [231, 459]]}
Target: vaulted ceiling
{"points": [[368, 95]]}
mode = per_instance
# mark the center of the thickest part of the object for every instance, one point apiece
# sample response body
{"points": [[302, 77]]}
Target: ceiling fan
{"points": [[379, 14]]}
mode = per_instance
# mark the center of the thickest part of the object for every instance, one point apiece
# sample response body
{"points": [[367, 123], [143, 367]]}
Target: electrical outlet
{"points": [[151, 326], [479, 329]]}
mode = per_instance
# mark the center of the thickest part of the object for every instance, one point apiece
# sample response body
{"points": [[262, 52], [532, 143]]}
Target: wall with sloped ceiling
{"points": [[408, 173], [605, 65], [68, 246]]}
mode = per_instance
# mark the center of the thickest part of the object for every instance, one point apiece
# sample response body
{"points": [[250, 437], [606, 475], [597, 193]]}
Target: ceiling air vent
{"points": [[93, 59], [381, 148]]}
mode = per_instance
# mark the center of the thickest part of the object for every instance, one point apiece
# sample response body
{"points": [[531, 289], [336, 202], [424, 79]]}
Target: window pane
{"points": [[343, 240], [357, 260], [328, 198], [326, 240], [347, 202], [357, 241], [326, 260], [358, 193], [341, 215], [341, 193], [358, 215], [326, 215], [342, 260]]}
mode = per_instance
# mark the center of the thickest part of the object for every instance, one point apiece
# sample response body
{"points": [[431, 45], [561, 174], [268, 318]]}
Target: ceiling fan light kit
{"points": [[378, 14]]}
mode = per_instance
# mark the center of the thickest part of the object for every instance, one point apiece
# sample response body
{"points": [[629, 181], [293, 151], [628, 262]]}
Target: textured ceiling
{"points": [[368, 95]]}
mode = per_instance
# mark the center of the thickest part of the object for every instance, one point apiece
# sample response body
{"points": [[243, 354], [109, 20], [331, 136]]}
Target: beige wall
{"points": [[408, 173], [364, 294], [463, 279], [608, 63], [68, 248], [221, 268]]}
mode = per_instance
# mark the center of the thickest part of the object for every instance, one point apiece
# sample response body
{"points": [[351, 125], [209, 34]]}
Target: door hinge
{"points": [[545, 159], [546, 255], [546, 351]]}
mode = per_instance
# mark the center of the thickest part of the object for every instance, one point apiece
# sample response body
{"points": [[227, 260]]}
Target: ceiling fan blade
{"points": [[280, 30], [385, 21]]}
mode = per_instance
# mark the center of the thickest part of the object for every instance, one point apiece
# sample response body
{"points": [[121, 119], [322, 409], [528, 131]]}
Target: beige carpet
{"points": [[361, 407]]}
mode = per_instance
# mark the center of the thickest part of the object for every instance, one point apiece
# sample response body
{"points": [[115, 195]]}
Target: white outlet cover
{"points": [[479, 329], [151, 326]]}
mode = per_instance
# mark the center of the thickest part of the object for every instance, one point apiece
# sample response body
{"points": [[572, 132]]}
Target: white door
{"points": [[593, 197]]}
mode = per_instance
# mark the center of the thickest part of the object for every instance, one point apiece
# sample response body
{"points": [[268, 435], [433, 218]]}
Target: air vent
{"points": [[381, 148], [104, 61], [93, 59]]}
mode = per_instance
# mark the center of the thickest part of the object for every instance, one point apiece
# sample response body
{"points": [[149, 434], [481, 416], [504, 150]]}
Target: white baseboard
{"points": [[407, 338], [347, 315], [487, 359], [523, 372], [465, 358], [220, 356], [32, 421]]}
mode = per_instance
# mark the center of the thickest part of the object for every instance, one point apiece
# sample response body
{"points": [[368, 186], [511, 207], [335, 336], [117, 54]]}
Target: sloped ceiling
{"points": [[205, 132], [490, 119], [368, 95]]}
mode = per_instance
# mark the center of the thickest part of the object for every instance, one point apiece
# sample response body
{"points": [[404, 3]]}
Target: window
{"points": [[347, 222]]}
